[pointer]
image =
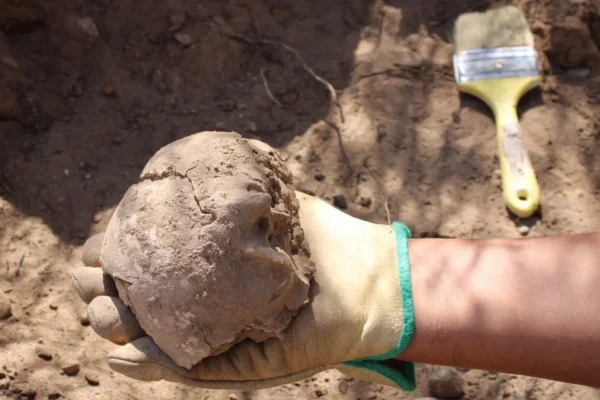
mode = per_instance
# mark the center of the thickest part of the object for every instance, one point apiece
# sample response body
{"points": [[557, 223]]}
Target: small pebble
{"points": [[320, 392], [232, 396], [71, 368], [108, 91], [88, 176], [81, 28], [252, 126], [184, 38], [5, 307], [92, 379], [319, 177], [339, 200], [117, 139], [579, 73], [446, 383], [343, 387], [492, 376], [523, 230], [84, 319], [43, 353], [97, 218], [53, 306], [66, 172]]}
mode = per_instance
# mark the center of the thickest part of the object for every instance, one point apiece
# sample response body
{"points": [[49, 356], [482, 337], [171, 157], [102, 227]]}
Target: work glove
{"points": [[359, 318]]}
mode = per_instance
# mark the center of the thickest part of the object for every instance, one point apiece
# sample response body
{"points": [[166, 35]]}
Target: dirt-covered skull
{"points": [[207, 249]]}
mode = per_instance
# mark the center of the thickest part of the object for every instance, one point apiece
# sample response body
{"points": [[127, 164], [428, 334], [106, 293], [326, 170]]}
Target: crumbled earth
{"points": [[89, 90], [212, 232]]}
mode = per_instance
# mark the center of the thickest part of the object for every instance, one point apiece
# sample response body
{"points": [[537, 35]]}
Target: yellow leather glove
{"points": [[359, 319]]}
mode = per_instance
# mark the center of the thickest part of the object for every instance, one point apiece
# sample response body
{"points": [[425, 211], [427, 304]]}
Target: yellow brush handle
{"points": [[519, 184]]}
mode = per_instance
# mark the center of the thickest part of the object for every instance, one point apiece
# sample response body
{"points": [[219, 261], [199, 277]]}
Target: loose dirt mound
{"points": [[89, 90]]}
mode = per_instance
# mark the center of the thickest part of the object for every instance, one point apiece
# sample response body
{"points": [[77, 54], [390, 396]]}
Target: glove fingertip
{"points": [[91, 250], [113, 320], [143, 360]]}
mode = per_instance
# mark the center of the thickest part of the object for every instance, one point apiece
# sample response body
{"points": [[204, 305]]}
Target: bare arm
{"points": [[522, 306]]}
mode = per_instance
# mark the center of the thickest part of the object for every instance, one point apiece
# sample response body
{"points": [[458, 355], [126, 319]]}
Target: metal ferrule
{"points": [[503, 62]]}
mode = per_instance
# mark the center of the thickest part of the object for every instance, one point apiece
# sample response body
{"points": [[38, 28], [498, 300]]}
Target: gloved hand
{"points": [[359, 318]]}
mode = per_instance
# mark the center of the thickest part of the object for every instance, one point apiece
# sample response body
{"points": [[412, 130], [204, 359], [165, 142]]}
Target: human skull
{"points": [[207, 249]]}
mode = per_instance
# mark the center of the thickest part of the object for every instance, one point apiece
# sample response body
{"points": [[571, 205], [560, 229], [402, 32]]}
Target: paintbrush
{"points": [[496, 62]]}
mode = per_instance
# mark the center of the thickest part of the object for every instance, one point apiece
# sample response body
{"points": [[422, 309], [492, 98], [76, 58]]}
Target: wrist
{"points": [[439, 280]]}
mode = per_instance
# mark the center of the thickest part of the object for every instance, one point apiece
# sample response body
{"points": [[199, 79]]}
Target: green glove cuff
{"points": [[404, 375]]}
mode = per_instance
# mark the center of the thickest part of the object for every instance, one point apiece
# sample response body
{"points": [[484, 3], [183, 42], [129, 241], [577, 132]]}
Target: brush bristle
{"points": [[500, 27]]}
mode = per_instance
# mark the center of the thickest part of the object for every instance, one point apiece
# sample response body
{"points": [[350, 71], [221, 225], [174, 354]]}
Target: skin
{"points": [[521, 306]]}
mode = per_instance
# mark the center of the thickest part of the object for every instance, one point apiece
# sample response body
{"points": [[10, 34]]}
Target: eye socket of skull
{"points": [[267, 241]]}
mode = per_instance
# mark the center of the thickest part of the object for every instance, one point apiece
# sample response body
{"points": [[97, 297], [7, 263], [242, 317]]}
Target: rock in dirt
{"points": [[71, 368], [568, 44], [184, 38], [43, 353], [232, 396], [92, 379], [578, 73], [108, 91], [234, 198], [446, 383], [5, 307], [84, 319], [523, 230], [81, 29], [339, 200], [252, 127], [117, 139]]}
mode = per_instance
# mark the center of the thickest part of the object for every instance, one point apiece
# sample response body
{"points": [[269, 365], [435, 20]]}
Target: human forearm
{"points": [[528, 306]]}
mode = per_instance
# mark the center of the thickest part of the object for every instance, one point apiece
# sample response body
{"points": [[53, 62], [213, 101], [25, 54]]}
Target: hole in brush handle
{"points": [[523, 194]]}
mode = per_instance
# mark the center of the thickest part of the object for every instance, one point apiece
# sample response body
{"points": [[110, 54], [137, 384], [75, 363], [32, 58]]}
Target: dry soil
{"points": [[90, 89]]}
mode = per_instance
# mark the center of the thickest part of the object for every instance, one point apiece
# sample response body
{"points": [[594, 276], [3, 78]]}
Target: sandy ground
{"points": [[90, 89]]}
